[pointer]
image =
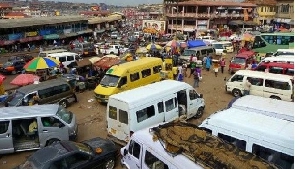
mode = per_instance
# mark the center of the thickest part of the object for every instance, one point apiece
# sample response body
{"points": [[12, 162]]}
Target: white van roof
{"points": [[61, 54], [284, 58], [221, 42], [258, 126], [28, 111], [267, 106], [258, 74], [180, 161], [285, 50], [141, 94]]}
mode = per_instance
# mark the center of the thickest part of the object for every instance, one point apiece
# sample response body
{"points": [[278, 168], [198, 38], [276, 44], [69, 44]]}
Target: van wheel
{"points": [[275, 97], [51, 141], [200, 112], [63, 103], [110, 163], [237, 92]]}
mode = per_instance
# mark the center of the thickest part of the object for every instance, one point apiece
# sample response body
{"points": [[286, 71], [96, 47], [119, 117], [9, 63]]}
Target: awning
{"points": [[51, 36], [29, 39], [68, 35], [236, 22], [250, 23], [100, 31], [84, 31], [7, 42]]}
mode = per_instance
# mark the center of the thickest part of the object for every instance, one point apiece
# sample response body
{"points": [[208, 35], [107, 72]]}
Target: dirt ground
{"points": [[91, 116]]}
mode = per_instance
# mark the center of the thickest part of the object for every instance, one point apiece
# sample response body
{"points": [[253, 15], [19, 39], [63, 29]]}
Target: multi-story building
{"points": [[285, 11], [190, 16], [266, 11], [5, 8]]}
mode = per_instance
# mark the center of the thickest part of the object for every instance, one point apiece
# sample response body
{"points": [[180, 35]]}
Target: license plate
{"points": [[85, 53], [113, 131]]}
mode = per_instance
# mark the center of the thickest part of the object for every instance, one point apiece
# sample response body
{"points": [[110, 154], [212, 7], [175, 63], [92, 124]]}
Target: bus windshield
{"points": [[189, 52], [110, 80]]}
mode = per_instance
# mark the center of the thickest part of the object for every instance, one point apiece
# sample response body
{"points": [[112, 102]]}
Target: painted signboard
{"points": [[156, 24]]}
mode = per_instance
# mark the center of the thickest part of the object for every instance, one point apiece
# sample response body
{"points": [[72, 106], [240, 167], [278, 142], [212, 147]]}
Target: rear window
{"points": [[276, 70], [113, 112]]}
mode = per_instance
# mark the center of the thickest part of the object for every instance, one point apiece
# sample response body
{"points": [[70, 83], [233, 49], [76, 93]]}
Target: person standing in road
{"points": [[208, 63], [247, 86], [222, 64], [197, 75]]}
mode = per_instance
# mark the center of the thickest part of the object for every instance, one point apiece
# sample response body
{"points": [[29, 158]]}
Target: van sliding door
{"points": [[171, 108]]}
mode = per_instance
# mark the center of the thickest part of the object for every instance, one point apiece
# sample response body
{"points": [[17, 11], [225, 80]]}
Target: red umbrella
{"points": [[24, 79]]}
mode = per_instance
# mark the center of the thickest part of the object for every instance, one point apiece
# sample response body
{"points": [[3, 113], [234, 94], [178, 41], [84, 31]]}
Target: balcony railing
{"points": [[204, 15]]}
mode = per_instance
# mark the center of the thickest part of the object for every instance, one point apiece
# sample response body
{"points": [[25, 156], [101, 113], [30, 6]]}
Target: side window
{"points": [[170, 105], [204, 52], [145, 113], [45, 93], [70, 58], [237, 78], [261, 68], [134, 77], [134, 149], [276, 70], [241, 144], [123, 81], [72, 161], [63, 59], [256, 81], [77, 57], [157, 69], [289, 72], [277, 85], [123, 116], [113, 112], [161, 107], [153, 162], [50, 122], [210, 51], [4, 126], [145, 73], [193, 95]]}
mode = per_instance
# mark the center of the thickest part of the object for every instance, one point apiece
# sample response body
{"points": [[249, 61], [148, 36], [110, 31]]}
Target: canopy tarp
{"points": [[236, 22], [195, 43]]}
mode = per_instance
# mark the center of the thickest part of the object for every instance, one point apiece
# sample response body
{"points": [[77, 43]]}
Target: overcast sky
{"points": [[117, 2]]}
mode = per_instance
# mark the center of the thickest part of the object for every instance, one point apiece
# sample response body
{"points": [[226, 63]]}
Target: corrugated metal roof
{"points": [[97, 20], [25, 22]]}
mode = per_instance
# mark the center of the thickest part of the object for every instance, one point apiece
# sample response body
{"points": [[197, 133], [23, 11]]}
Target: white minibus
{"points": [[275, 86], [283, 52], [285, 58], [223, 47], [269, 137], [65, 58], [267, 106], [149, 105], [47, 52]]}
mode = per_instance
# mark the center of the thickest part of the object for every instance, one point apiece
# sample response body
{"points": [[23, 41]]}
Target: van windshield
{"points": [[64, 114], [109, 80], [189, 52], [16, 98], [240, 61], [217, 46]]}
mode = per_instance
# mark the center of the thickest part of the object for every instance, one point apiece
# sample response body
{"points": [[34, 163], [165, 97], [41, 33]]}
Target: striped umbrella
{"points": [[41, 63]]}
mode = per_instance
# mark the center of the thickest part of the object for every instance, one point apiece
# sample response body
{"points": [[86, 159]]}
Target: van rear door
{"points": [[6, 145]]}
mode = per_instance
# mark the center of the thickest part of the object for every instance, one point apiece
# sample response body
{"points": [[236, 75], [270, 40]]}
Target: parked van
{"points": [[241, 61], [149, 105], [52, 123], [66, 58], [276, 68], [143, 152], [269, 137], [285, 58], [84, 49], [47, 52], [263, 84], [128, 76], [223, 47], [47, 92], [201, 51], [284, 52], [270, 107]]}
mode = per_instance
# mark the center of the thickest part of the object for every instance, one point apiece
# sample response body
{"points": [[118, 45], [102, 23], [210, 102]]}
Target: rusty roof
{"points": [[215, 3], [16, 14], [262, 2], [5, 5]]}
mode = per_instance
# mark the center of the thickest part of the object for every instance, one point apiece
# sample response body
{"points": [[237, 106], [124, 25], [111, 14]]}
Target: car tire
{"points": [[51, 141], [275, 97], [236, 92], [110, 163], [199, 113], [63, 103]]}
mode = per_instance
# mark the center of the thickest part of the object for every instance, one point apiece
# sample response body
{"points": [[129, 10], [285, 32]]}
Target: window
{"points": [[157, 69], [145, 73], [153, 162], [50, 122], [70, 58], [134, 149], [278, 158], [123, 81], [45, 92], [123, 116], [72, 161], [276, 70], [161, 107], [258, 42], [290, 72], [261, 9], [145, 113], [134, 77], [169, 104], [62, 59], [210, 51], [241, 144], [237, 78], [204, 52], [113, 112], [277, 84], [256, 81], [261, 68], [4, 126], [193, 95]]}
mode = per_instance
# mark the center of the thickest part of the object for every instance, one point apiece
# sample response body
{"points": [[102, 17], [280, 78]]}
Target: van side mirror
{"points": [[125, 152], [201, 96]]}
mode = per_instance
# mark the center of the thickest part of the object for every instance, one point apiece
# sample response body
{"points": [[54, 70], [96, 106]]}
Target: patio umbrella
{"points": [[141, 50], [24, 79], [173, 43], [41, 63], [153, 46], [248, 37]]}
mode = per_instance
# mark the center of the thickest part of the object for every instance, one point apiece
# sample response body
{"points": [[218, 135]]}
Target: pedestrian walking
{"points": [[208, 63], [197, 76], [204, 62], [179, 73], [29, 47], [215, 67], [192, 67], [247, 86], [222, 64]]}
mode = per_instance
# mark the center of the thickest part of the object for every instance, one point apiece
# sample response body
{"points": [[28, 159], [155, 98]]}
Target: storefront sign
{"points": [[29, 34], [67, 31], [202, 22], [156, 24]]}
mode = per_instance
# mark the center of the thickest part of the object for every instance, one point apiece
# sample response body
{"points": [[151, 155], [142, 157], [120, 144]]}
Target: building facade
{"points": [[266, 11], [190, 16], [285, 11]]}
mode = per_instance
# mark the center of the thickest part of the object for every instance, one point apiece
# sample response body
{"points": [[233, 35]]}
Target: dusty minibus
{"points": [[269, 137], [47, 52], [275, 86], [201, 52], [66, 58], [149, 105], [128, 76], [222, 47], [34, 127]]}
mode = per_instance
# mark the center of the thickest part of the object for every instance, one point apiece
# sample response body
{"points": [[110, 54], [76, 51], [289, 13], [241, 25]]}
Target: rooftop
{"points": [[216, 3]]}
